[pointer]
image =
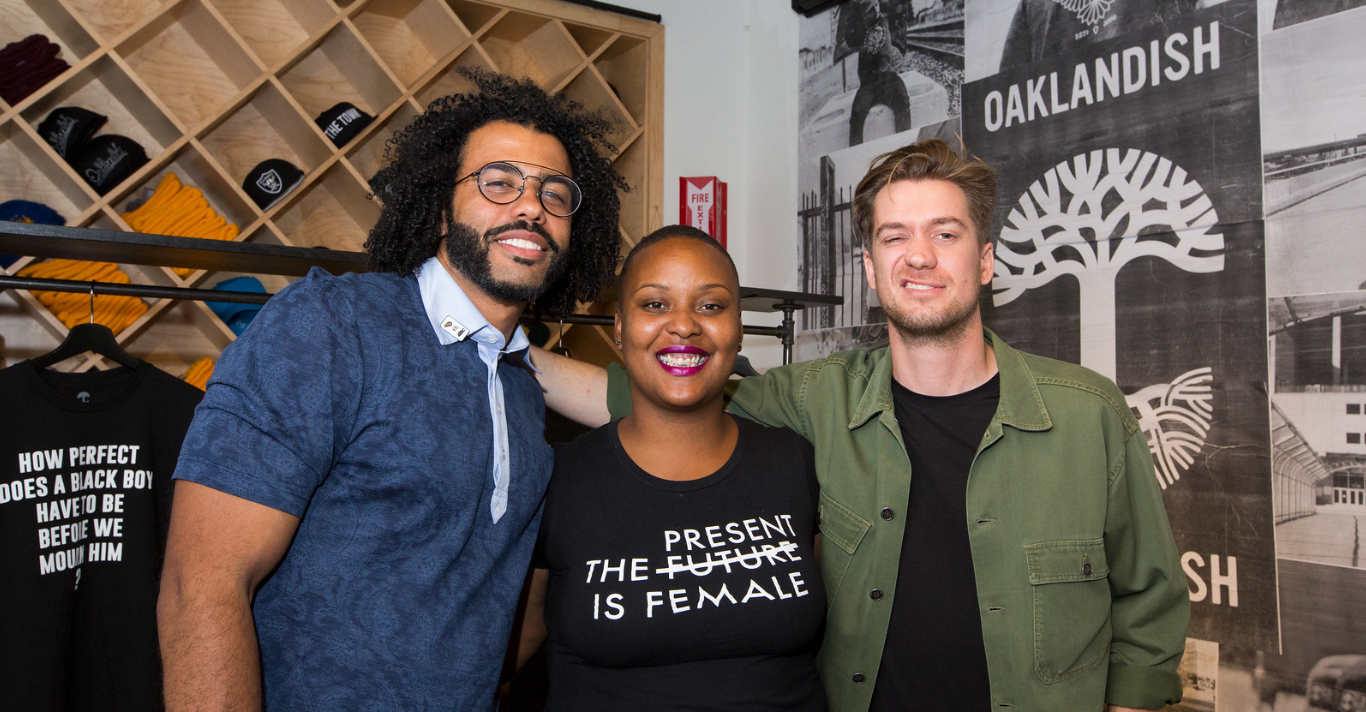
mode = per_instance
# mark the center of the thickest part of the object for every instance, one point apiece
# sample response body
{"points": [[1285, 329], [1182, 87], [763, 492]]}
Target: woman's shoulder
{"points": [[786, 456], [578, 473], [589, 446], [586, 454], [777, 438]]}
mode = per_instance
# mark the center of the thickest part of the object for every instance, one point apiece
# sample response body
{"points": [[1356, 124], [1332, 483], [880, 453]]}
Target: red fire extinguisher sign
{"points": [[702, 204]]}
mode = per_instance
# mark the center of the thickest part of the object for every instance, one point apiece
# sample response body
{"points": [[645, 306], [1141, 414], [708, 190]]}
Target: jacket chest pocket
{"points": [[1071, 607], [841, 533]]}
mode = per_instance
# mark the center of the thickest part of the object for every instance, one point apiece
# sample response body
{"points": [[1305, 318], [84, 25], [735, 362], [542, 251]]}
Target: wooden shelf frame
{"points": [[209, 87]]}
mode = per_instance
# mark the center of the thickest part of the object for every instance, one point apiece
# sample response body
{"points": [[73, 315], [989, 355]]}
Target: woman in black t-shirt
{"points": [[677, 565]]}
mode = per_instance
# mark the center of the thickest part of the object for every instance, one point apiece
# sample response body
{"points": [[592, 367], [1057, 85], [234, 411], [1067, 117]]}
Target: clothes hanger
{"points": [[88, 337], [559, 348]]}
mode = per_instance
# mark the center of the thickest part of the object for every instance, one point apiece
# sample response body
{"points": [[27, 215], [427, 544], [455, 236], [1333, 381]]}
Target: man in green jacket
{"points": [[1028, 563]]}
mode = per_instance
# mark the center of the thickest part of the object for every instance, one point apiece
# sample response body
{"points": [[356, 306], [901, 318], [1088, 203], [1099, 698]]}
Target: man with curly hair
{"points": [[360, 492]]}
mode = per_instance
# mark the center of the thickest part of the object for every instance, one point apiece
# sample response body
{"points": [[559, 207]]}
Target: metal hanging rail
{"points": [[132, 290], [83, 243], [216, 255]]}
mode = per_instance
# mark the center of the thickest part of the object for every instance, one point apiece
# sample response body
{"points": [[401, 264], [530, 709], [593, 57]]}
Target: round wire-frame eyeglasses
{"points": [[502, 182]]}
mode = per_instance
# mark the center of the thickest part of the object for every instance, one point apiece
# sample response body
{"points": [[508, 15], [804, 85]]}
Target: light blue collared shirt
{"points": [[455, 318]]}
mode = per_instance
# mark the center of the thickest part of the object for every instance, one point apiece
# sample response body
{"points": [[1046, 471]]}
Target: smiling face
{"points": [[513, 251], [678, 322], [924, 260]]}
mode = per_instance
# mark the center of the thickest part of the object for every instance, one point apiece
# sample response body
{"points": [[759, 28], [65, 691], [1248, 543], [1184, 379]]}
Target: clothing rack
{"points": [[54, 241], [132, 290]]}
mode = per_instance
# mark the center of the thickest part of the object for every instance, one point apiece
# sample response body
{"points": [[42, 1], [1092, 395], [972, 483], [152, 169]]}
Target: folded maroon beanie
{"points": [[27, 65]]}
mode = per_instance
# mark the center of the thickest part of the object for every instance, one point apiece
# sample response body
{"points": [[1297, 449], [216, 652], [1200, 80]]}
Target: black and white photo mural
{"points": [[875, 75], [1181, 207], [1314, 168]]}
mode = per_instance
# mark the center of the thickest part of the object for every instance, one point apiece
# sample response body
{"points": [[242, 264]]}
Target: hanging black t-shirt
{"points": [[697, 595], [85, 491], [934, 658]]}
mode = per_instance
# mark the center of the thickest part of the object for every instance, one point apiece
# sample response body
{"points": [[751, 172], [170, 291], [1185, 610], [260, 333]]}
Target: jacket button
{"points": [[887, 514], [1086, 569], [858, 677], [875, 594]]}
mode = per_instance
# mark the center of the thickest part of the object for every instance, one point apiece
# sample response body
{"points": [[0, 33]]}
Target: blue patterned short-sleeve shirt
{"points": [[341, 406]]}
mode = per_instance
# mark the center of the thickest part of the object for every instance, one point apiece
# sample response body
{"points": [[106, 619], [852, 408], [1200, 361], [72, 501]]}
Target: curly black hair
{"points": [[422, 164]]}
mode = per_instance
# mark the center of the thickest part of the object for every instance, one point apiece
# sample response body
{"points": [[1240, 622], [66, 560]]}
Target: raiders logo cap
{"points": [[104, 161], [342, 122], [271, 180], [68, 127]]}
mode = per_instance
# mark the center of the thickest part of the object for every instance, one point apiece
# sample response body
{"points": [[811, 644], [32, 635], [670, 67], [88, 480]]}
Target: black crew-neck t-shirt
{"points": [[934, 658], [85, 493], [697, 595]]}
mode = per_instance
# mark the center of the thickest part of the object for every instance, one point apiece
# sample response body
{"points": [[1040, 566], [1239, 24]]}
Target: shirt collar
{"points": [[454, 317], [1021, 404]]}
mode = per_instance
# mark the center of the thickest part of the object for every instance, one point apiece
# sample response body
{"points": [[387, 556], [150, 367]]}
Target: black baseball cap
{"points": [[271, 180], [104, 161], [68, 127], [342, 122]]}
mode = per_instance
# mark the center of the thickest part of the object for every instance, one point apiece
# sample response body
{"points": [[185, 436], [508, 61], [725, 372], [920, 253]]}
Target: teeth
{"points": [[681, 360], [918, 287], [524, 244]]}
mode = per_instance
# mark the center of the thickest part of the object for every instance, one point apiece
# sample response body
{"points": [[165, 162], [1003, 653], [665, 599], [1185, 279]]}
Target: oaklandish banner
{"points": [[1129, 239]]}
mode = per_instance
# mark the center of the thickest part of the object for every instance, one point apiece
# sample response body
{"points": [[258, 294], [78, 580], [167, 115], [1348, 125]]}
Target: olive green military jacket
{"points": [[1079, 586]]}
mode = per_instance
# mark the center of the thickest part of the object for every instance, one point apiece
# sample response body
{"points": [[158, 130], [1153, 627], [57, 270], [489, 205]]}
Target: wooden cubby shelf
{"points": [[210, 88]]}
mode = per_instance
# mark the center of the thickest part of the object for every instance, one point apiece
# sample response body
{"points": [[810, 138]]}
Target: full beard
{"points": [[469, 253], [929, 327]]}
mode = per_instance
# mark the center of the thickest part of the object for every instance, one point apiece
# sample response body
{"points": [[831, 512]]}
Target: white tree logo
{"points": [[1175, 417], [1089, 217], [1088, 11]]}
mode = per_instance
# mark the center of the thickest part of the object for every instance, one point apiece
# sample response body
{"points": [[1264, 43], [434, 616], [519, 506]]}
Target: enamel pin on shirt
{"points": [[454, 328]]}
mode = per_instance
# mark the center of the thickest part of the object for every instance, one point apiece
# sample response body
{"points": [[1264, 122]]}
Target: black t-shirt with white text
{"points": [[696, 595], [85, 490], [934, 658]]}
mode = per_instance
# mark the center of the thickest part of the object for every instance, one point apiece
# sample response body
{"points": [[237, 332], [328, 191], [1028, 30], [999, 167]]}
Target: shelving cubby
{"points": [[22, 18], [366, 154], [209, 88]]}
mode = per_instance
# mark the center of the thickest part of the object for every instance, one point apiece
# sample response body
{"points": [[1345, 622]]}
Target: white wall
{"points": [[730, 110]]}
